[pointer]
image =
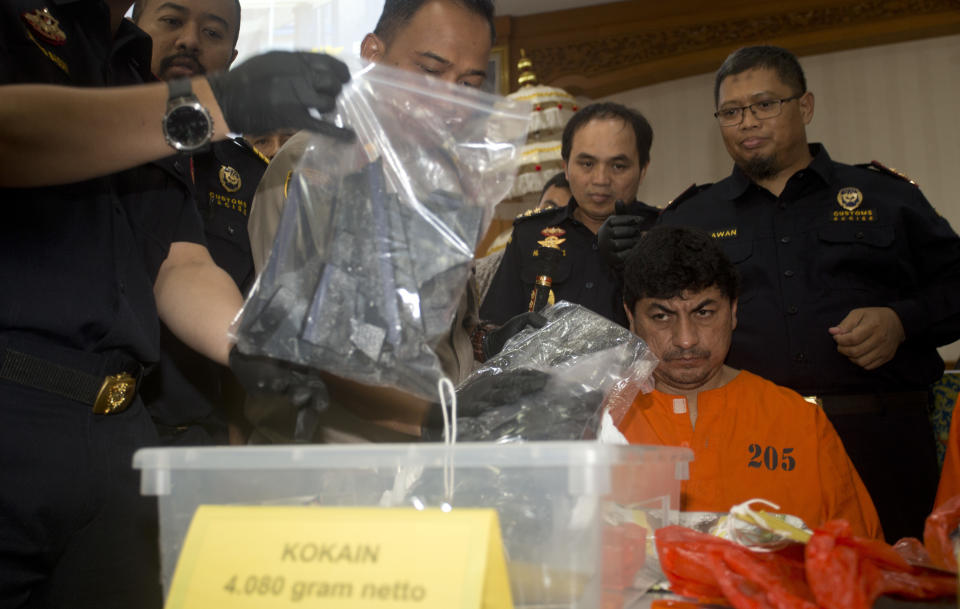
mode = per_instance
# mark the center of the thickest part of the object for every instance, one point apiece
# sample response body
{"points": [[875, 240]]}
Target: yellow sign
{"points": [[341, 558]]}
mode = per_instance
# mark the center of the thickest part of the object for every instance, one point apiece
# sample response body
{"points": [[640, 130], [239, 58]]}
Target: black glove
{"points": [[278, 89], [495, 339], [618, 234], [284, 400]]}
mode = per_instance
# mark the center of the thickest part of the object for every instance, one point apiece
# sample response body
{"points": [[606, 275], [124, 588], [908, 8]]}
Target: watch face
{"points": [[188, 127]]}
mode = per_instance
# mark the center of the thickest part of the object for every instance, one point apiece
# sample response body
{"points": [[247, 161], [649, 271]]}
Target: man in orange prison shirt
{"points": [[750, 437]]}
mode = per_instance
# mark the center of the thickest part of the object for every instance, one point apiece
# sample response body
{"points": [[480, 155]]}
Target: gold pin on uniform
{"points": [[230, 178], [552, 236], [45, 25]]}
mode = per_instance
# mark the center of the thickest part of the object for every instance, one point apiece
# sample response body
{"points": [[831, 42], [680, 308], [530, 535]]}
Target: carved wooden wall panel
{"points": [[600, 50]]}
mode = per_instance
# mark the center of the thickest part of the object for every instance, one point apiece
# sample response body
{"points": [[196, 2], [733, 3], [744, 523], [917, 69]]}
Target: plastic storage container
{"points": [[577, 518]]}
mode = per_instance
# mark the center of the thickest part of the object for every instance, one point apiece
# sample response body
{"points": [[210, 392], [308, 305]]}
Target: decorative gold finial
{"points": [[526, 78]]}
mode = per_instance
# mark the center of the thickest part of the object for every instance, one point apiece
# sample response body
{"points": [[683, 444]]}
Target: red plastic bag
{"points": [[937, 532], [760, 581], [847, 572], [710, 568], [838, 571], [624, 553], [683, 553], [913, 552]]}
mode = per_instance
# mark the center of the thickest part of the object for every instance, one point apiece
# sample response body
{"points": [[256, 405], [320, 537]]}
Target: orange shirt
{"points": [[950, 476], [755, 439]]}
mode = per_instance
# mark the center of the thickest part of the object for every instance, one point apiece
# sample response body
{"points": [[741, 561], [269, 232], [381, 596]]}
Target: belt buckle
{"points": [[115, 393]]}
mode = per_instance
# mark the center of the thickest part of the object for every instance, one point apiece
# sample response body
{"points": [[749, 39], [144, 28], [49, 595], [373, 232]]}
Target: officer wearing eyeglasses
{"points": [[850, 278]]}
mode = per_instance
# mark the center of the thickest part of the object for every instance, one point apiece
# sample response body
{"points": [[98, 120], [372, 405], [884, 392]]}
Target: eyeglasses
{"points": [[768, 108]]}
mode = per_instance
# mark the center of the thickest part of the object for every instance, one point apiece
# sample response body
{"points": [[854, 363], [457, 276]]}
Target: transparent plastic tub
{"points": [[577, 518]]}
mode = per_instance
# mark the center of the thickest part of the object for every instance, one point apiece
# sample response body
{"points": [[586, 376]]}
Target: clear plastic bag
{"points": [[551, 383], [377, 236], [548, 384]]}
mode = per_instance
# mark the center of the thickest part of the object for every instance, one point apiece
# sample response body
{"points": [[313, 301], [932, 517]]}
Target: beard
{"points": [[760, 168], [684, 378], [167, 62]]}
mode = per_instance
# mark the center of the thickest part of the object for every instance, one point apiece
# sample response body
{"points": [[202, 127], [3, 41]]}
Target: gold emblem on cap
{"points": [[46, 25], [115, 394], [849, 198], [230, 178]]}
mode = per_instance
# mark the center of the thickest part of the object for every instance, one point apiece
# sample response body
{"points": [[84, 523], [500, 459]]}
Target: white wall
{"points": [[334, 26], [897, 103]]}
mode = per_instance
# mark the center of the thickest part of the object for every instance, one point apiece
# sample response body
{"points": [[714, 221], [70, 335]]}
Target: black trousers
{"points": [[74, 530], [890, 441]]}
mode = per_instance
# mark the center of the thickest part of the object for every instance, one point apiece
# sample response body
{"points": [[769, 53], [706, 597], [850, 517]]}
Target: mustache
{"points": [[694, 353], [168, 61]]}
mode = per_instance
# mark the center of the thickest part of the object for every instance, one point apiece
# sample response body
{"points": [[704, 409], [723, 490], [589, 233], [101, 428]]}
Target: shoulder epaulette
{"points": [[890, 171], [533, 213], [688, 193]]}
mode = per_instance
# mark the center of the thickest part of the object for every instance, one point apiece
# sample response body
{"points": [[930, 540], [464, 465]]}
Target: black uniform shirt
{"points": [[839, 237], [227, 177], [78, 261], [580, 274]]}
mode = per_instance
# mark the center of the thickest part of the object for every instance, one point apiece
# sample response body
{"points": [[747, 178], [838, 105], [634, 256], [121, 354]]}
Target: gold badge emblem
{"points": [[552, 236], [230, 178], [45, 25], [850, 198]]}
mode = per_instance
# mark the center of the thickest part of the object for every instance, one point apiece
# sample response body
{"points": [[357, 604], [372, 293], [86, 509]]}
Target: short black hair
{"points": [[669, 260], [778, 59], [559, 180], [605, 110], [398, 13], [138, 11]]}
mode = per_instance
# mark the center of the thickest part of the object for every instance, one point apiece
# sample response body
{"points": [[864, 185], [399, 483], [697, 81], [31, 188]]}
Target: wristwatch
{"points": [[187, 125]]}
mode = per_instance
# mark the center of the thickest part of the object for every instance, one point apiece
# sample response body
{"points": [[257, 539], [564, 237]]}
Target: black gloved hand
{"points": [[618, 234], [495, 339], [284, 400], [277, 90]]}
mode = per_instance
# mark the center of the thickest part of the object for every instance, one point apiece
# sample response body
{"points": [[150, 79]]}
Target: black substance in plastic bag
{"points": [[383, 295], [374, 247], [516, 405], [549, 383]]}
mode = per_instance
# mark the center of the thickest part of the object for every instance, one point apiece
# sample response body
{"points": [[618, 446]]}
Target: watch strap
{"points": [[179, 87]]}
